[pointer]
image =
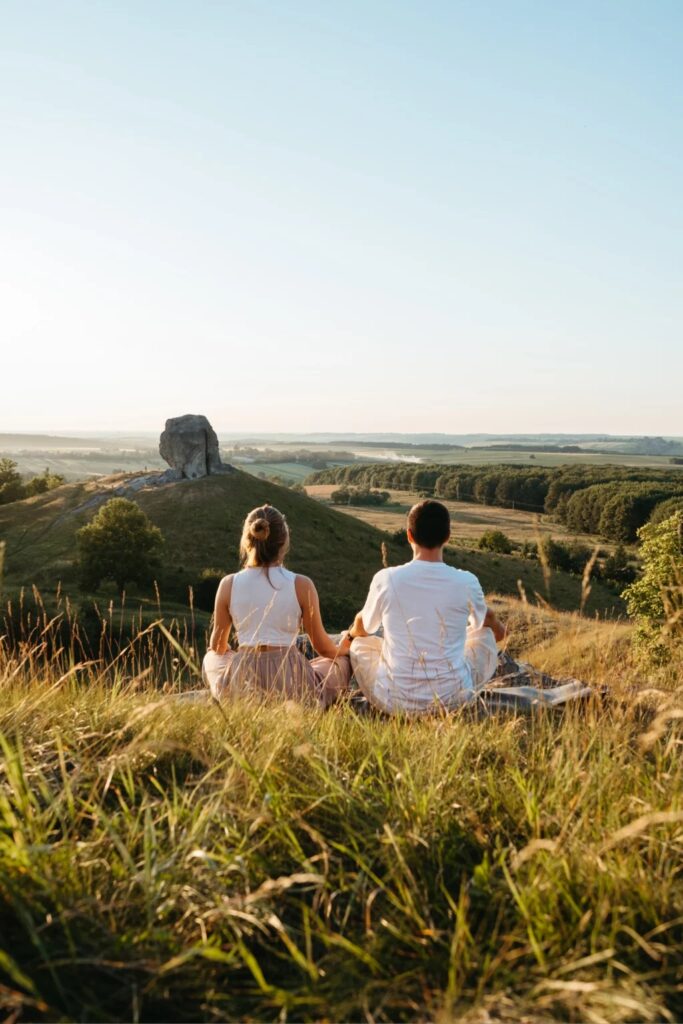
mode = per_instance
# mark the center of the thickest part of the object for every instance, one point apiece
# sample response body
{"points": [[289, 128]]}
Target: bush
{"points": [[359, 496], [47, 481], [119, 544], [617, 568], [495, 540], [656, 599], [555, 554], [204, 589]]}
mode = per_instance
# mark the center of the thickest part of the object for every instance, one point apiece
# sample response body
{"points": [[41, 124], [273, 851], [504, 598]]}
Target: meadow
{"points": [[470, 519], [166, 860], [172, 859]]}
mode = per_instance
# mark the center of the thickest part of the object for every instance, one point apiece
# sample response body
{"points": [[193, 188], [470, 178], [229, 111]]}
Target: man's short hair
{"points": [[430, 523]]}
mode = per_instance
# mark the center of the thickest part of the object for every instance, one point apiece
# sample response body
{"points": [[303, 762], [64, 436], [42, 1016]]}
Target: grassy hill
{"points": [[165, 860], [201, 522]]}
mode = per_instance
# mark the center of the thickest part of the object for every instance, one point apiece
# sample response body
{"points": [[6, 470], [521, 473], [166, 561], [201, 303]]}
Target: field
{"points": [[164, 860], [81, 458], [469, 519]]}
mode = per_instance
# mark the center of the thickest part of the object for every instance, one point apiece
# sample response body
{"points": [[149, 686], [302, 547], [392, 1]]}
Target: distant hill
{"points": [[201, 522], [14, 442]]}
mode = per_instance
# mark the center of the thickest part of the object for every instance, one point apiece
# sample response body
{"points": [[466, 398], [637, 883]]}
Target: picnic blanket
{"points": [[515, 687]]}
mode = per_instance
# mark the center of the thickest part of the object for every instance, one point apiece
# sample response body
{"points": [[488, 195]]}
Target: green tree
{"points": [[119, 544], [656, 599], [11, 486], [495, 540]]}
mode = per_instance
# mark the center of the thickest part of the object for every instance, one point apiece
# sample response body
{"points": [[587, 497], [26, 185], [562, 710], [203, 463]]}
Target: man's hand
{"points": [[357, 628], [495, 625]]}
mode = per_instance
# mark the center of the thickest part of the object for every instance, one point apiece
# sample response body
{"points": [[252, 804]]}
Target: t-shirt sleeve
{"points": [[372, 609], [478, 606]]}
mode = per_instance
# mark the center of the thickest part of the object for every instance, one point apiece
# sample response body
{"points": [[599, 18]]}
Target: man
{"points": [[439, 637]]}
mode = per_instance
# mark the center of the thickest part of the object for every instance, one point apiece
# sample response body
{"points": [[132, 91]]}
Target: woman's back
{"points": [[264, 607]]}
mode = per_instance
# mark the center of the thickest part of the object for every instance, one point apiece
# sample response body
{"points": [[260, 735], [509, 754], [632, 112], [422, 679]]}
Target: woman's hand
{"points": [[309, 603], [344, 647]]}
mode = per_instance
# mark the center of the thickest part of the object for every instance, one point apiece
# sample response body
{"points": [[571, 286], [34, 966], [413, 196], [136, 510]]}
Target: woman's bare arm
{"points": [[221, 617], [309, 603]]}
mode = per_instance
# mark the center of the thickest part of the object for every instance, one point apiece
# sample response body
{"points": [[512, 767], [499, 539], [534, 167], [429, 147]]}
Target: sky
{"points": [[342, 215]]}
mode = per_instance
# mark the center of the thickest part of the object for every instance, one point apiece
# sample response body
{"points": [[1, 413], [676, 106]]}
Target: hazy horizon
{"points": [[379, 436], [296, 217]]}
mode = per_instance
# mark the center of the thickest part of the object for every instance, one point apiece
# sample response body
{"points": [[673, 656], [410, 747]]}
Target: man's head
{"points": [[429, 524]]}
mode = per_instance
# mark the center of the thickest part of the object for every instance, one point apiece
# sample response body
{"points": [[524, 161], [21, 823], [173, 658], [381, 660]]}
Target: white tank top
{"points": [[265, 612]]}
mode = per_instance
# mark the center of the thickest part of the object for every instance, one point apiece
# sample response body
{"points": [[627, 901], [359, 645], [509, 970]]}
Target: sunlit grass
{"points": [[167, 860]]}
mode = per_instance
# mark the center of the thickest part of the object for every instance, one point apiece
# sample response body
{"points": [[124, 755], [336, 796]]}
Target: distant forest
{"points": [[610, 501]]}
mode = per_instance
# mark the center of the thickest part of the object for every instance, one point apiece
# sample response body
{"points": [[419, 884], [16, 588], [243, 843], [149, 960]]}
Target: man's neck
{"points": [[427, 554]]}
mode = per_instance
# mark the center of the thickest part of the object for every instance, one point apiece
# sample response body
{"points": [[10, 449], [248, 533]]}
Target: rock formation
{"points": [[190, 446]]}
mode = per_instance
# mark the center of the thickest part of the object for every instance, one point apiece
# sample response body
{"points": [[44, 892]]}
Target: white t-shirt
{"points": [[424, 609]]}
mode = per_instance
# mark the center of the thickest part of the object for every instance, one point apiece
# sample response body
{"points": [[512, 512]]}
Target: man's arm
{"points": [[357, 628], [495, 625]]}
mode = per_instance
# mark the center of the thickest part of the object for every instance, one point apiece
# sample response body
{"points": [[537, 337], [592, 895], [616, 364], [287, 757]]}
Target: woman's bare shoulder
{"points": [[304, 585], [225, 585]]}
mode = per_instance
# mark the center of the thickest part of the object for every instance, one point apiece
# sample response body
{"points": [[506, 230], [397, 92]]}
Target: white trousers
{"points": [[481, 654]]}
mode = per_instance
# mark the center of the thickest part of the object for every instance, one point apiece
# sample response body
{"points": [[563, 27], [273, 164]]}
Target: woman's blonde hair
{"points": [[265, 537]]}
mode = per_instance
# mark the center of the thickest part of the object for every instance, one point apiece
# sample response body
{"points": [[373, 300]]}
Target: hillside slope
{"points": [[201, 522]]}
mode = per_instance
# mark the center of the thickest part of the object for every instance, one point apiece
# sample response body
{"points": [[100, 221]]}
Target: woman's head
{"points": [[265, 537]]}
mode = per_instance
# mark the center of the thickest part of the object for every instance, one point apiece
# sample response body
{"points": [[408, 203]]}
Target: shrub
{"points": [[359, 496], [555, 554], [119, 544], [204, 589], [400, 536], [617, 568], [656, 599], [495, 540], [47, 481]]}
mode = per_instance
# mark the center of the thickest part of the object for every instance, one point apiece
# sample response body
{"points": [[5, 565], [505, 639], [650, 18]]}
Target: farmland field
{"points": [[469, 519]]}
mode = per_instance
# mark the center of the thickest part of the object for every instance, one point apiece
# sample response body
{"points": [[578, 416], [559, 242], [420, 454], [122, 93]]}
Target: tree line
{"points": [[610, 501]]}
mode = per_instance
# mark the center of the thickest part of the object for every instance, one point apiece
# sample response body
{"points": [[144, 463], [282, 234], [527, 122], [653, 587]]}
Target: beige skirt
{"points": [[286, 672]]}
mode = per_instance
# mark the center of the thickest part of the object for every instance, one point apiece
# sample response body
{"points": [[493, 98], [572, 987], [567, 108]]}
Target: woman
{"points": [[267, 604]]}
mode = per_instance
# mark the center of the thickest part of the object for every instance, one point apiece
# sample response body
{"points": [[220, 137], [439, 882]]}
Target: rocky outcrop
{"points": [[190, 446]]}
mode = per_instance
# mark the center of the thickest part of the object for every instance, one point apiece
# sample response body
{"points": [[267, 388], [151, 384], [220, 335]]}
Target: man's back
{"points": [[424, 608]]}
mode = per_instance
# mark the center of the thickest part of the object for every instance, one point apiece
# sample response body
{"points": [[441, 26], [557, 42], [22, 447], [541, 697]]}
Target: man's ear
{"points": [[411, 539]]}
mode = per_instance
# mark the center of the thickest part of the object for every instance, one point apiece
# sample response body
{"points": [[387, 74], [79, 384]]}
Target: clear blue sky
{"points": [[455, 216]]}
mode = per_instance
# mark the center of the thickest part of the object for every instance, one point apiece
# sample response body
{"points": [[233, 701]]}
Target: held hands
{"points": [[344, 644]]}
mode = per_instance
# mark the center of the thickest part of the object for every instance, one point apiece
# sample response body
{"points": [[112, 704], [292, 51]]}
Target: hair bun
{"points": [[260, 529]]}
